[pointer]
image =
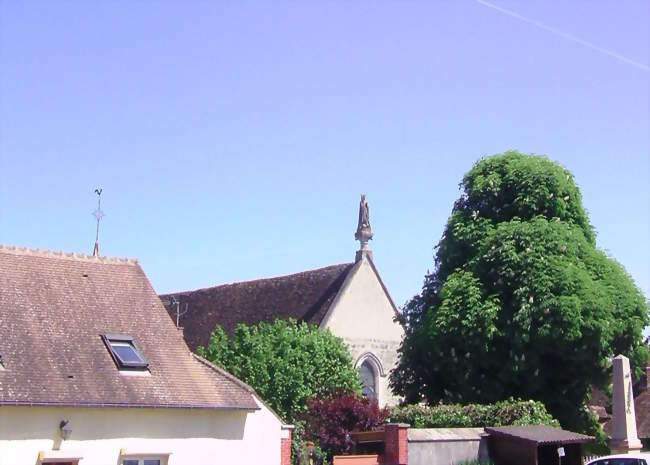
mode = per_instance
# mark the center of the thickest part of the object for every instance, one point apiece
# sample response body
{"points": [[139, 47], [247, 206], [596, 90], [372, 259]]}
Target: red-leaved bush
{"points": [[329, 419]]}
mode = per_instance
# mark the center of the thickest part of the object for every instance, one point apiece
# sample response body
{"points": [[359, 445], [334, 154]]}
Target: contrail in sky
{"points": [[565, 35]]}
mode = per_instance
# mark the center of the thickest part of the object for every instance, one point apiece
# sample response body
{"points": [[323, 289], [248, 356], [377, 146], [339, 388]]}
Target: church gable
{"points": [[363, 309]]}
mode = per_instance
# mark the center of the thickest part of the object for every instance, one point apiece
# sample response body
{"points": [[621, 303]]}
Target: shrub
{"points": [[329, 420], [507, 412], [285, 362], [299, 451]]}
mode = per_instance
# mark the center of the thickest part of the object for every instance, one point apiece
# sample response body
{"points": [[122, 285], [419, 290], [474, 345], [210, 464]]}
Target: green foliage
{"points": [[503, 413], [285, 362], [587, 423], [521, 302], [299, 452], [219, 350]]}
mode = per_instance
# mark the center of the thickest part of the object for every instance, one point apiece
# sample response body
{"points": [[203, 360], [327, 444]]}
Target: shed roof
{"points": [[304, 296], [54, 307], [539, 434]]}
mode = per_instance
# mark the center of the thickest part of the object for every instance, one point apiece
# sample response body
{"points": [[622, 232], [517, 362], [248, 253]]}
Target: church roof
{"points": [[304, 296], [58, 315]]}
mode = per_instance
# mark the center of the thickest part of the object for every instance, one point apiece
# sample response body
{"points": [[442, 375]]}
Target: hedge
{"points": [[507, 412]]}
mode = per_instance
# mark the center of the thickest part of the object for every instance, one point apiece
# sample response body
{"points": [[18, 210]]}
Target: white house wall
{"points": [[191, 436], [362, 315]]}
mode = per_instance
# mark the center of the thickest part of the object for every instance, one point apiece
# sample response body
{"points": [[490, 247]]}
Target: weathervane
{"points": [[98, 214]]}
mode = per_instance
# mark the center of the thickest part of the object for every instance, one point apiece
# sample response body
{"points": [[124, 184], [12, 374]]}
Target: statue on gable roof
{"points": [[364, 231], [364, 214]]}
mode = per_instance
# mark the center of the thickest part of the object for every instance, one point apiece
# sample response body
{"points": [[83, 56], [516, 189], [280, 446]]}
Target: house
{"points": [[641, 393], [349, 299], [93, 371]]}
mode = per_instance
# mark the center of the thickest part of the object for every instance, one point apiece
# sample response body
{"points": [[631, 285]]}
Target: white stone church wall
{"points": [[363, 316], [386, 352]]}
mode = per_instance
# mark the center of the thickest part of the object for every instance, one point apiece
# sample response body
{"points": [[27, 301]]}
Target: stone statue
{"points": [[364, 214], [364, 231]]}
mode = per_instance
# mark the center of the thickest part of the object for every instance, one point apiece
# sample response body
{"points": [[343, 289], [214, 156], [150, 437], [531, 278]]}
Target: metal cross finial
{"points": [[98, 214]]}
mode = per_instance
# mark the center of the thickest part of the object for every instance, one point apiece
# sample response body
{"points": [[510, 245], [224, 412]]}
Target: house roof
{"points": [[642, 411], [599, 397], [642, 414], [304, 296], [54, 307], [539, 434]]}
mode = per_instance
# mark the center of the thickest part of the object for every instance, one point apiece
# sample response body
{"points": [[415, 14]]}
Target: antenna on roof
{"points": [[174, 301], [98, 214]]}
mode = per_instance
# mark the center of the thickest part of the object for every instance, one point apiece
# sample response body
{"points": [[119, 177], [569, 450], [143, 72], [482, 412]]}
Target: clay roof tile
{"points": [[54, 307], [304, 296]]}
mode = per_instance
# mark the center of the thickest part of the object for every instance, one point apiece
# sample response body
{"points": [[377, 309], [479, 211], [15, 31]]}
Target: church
{"points": [[349, 299]]}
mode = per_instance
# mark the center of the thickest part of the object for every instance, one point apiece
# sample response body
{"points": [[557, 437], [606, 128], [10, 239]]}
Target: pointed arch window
{"points": [[368, 380]]}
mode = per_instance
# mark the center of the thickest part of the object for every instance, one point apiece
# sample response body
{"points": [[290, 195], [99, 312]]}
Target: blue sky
{"points": [[232, 139]]}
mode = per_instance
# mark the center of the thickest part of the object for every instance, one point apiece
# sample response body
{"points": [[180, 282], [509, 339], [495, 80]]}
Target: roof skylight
{"points": [[124, 352]]}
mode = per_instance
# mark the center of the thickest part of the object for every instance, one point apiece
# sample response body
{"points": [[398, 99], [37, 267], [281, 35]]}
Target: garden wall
{"points": [[446, 446]]}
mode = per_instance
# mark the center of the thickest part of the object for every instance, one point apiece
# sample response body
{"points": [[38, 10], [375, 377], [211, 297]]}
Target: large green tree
{"points": [[285, 362], [521, 302]]}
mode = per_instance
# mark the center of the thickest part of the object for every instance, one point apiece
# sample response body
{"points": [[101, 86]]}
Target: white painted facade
{"points": [[362, 314], [175, 436]]}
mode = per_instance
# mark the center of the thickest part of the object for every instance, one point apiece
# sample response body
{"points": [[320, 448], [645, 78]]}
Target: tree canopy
{"points": [[285, 362], [521, 302]]}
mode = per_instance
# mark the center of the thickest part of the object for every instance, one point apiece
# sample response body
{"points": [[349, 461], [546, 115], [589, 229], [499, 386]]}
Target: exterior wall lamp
{"points": [[65, 429]]}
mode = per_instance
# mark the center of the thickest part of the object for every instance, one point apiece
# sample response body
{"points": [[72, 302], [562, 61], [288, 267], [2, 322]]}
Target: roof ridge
{"points": [[65, 255], [271, 278], [237, 381], [223, 372]]}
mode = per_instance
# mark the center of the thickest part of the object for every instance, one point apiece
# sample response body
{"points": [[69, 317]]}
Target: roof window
{"points": [[124, 352]]}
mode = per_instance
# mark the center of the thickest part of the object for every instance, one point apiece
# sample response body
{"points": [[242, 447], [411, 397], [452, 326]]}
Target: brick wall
{"points": [[285, 445], [396, 444]]}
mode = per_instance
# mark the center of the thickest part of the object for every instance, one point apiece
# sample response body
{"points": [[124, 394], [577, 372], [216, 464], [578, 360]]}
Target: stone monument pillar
{"points": [[624, 436], [364, 231]]}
